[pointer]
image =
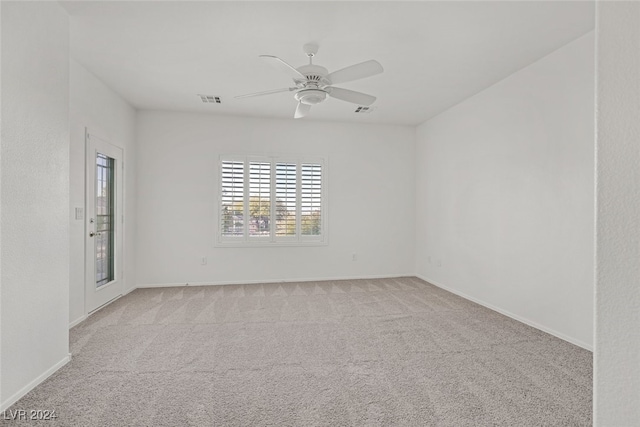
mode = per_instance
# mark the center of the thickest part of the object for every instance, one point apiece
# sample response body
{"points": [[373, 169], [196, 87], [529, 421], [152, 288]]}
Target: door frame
{"points": [[96, 298]]}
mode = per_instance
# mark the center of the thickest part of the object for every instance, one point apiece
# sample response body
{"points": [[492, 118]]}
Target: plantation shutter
{"points": [[232, 199], [271, 200], [259, 199], [311, 199], [286, 195]]}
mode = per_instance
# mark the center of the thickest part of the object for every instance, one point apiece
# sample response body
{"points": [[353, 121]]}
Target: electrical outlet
{"points": [[354, 257], [203, 261]]}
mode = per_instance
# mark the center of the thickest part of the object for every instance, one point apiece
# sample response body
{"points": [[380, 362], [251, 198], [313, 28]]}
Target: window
{"points": [[271, 200]]}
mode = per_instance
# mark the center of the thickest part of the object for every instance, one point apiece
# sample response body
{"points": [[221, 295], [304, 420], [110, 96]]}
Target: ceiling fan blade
{"points": [[350, 96], [281, 65], [267, 92], [355, 72], [301, 110]]}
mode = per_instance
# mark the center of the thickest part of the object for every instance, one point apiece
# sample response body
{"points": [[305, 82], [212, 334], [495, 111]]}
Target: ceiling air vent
{"points": [[364, 110], [210, 99]]}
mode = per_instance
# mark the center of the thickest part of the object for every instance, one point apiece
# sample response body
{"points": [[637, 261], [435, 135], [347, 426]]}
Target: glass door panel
{"points": [[105, 209]]}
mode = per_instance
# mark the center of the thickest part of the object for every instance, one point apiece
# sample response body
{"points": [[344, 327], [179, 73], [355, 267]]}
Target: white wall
{"points": [[94, 106], [35, 195], [505, 195], [371, 198], [617, 361]]}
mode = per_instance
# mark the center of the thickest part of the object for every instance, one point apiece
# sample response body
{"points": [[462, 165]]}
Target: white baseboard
{"points": [[511, 315], [33, 384], [250, 282], [77, 321]]}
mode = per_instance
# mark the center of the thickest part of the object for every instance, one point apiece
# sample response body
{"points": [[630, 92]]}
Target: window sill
{"points": [[268, 244]]}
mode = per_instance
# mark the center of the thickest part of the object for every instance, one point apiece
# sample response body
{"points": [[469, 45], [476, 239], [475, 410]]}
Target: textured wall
{"points": [[371, 198], [617, 363], [505, 195], [35, 194], [95, 106]]}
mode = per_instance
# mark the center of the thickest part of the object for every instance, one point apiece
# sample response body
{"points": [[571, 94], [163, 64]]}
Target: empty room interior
{"points": [[320, 213]]}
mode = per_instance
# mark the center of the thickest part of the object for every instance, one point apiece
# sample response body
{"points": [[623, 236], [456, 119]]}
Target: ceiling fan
{"points": [[313, 83]]}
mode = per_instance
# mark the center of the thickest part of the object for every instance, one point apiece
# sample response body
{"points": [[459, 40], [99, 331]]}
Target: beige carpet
{"points": [[381, 352]]}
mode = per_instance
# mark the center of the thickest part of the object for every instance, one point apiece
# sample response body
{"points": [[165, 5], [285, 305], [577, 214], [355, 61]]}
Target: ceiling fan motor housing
{"points": [[315, 73], [312, 93]]}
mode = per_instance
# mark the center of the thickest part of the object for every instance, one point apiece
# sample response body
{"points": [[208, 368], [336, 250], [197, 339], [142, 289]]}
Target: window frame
{"points": [[246, 240]]}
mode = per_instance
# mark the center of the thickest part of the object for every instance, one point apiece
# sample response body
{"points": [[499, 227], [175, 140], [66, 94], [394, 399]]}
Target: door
{"points": [[104, 222]]}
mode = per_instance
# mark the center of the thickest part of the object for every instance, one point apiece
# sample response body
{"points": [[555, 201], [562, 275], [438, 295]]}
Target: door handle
{"points": [[91, 234]]}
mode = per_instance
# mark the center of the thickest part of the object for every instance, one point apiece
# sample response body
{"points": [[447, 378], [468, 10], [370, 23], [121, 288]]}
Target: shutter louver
{"points": [[286, 196], [311, 199], [232, 209]]}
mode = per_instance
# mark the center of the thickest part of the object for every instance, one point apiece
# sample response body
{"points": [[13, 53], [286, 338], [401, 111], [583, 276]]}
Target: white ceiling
{"points": [[159, 55]]}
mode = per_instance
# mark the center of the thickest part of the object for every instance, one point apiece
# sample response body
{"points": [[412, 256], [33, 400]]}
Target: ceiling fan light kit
{"points": [[313, 83], [310, 96]]}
